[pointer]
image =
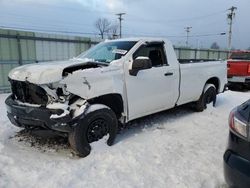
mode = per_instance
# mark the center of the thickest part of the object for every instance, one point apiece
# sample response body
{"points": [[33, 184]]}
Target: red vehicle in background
{"points": [[238, 71]]}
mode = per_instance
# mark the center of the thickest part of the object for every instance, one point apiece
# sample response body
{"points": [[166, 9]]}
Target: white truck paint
{"points": [[151, 90]]}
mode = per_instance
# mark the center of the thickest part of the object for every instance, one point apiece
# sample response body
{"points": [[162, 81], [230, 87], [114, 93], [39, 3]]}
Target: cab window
{"points": [[155, 52]]}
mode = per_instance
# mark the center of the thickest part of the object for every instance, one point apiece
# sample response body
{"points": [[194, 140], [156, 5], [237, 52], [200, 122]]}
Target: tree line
{"points": [[106, 29]]}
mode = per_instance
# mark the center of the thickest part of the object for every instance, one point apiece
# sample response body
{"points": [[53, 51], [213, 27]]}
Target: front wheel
{"points": [[99, 120], [208, 95]]}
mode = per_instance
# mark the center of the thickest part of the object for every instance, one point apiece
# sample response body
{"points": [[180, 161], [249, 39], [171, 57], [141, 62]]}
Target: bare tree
{"points": [[215, 46], [113, 32], [103, 26]]}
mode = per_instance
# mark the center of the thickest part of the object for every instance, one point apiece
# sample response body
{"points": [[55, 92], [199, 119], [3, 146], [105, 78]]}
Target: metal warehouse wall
{"points": [[20, 47], [51, 50]]}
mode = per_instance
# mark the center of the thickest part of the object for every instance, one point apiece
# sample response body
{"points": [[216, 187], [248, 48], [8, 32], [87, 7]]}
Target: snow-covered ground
{"points": [[176, 149]]}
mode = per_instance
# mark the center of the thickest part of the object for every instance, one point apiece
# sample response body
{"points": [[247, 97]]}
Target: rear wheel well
{"points": [[113, 101], [215, 81]]}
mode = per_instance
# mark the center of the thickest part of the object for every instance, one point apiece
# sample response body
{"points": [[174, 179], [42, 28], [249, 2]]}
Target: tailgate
{"points": [[238, 68]]}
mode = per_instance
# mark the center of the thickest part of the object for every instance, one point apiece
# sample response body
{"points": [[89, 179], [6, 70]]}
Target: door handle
{"points": [[168, 74]]}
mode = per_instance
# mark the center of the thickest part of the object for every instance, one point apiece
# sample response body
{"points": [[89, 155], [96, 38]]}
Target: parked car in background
{"points": [[238, 71], [237, 155]]}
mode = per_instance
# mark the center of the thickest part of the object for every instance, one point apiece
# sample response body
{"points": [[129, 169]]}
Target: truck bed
{"points": [[239, 64], [195, 74], [238, 68]]}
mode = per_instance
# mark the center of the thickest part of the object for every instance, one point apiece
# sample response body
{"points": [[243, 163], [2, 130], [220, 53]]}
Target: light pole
{"points": [[187, 29], [230, 17]]}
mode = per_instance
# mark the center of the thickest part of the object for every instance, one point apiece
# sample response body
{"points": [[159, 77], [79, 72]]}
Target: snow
{"points": [[78, 108], [177, 148], [43, 73], [57, 105], [96, 107], [55, 116]]}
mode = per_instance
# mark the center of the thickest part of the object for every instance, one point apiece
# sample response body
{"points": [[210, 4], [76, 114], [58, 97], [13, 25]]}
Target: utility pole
{"points": [[187, 29], [230, 17], [120, 20]]}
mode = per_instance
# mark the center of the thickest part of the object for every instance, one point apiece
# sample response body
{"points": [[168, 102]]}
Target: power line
{"points": [[36, 19], [176, 20], [47, 30], [87, 9], [134, 16], [208, 35], [176, 36], [47, 26], [92, 33], [59, 24]]}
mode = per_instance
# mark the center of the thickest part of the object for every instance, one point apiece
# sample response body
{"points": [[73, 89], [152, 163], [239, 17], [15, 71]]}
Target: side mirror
{"points": [[140, 63]]}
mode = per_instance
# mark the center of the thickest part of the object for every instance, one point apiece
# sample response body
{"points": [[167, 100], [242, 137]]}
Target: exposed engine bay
{"points": [[52, 95]]}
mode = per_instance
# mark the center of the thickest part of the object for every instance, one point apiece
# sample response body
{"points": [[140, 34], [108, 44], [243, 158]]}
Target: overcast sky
{"points": [[160, 18]]}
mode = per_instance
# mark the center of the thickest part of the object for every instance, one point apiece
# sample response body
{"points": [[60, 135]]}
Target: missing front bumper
{"points": [[37, 117]]}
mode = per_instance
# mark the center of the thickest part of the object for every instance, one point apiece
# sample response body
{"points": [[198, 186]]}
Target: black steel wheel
{"points": [[98, 121], [97, 130]]}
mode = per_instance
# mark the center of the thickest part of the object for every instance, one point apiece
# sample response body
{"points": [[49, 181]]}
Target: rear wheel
{"points": [[98, 121], [208, 96]]}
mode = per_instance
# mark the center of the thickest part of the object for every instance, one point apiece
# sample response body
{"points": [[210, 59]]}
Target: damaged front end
{"points": [[46, 106], [54, 96], [28, 93]]}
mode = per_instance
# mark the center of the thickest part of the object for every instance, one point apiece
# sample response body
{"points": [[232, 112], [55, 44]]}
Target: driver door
{"points": [[151, 90]]}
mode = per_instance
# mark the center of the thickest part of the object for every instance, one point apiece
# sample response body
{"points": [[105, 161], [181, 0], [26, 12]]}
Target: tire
{"points": [[98, 121], [208, 95], [248, 86], [236, 87]]}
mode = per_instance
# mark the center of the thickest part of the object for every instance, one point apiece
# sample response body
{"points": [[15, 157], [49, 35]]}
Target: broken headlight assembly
{"points": [[71, 105]]}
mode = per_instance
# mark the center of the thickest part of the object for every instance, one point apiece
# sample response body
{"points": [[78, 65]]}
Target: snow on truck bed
{"points": [[177, 148]]}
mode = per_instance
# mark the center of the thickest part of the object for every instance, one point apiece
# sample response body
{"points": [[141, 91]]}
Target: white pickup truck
{"points": [[116, 81]]}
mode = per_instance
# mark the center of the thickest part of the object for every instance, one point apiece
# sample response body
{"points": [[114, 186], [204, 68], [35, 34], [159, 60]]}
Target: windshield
{"points": [[108, 51], [240, 55]]}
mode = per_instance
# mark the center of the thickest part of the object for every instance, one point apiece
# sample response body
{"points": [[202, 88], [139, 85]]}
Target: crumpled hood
{"points": [[42, 73]]}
